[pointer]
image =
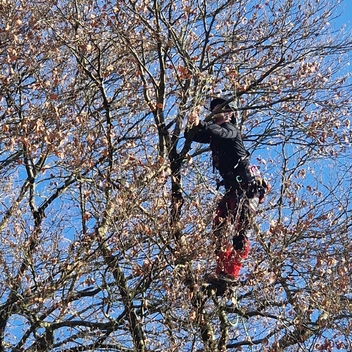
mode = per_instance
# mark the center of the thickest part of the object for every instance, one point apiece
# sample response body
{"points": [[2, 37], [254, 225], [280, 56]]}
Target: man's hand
{"points": [[193, 116]]}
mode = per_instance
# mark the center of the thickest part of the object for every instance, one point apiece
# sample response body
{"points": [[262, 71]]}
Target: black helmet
{"points": [[217, 101]]}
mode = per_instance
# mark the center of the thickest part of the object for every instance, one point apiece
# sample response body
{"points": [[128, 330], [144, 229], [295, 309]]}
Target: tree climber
{"points": [[244, 188]]}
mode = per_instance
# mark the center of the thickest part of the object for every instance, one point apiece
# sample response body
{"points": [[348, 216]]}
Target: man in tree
{"points": [[244, 188]]}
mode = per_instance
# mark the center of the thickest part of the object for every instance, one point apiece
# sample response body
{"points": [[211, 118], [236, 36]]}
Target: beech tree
{"points": [[106, 209]]}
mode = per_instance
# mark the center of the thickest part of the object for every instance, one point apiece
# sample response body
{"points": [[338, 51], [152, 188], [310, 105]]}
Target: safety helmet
{"points": [[217, 101]]}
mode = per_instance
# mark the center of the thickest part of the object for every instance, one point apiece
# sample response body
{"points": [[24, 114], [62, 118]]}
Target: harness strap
{"points": [[241, 159]]}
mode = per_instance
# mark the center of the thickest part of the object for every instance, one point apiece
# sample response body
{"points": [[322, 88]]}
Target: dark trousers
{"points": [[237, 208], [234, 213]]}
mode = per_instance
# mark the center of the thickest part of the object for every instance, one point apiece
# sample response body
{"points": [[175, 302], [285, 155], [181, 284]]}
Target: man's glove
{"points": [[193, 116], [259, 181], [263, 188], [258, 186]]}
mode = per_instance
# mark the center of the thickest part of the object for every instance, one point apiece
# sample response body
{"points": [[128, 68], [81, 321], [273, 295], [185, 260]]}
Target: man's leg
{"points": [[227, 264], [229, 259], [219, 222]]}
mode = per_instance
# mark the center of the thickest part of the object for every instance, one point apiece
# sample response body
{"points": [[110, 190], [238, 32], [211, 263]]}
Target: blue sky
{"points": [[346, 17]]}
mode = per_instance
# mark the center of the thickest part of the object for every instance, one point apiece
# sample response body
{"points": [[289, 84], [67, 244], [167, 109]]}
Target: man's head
{"points": [[221, 117], [215, 102]]}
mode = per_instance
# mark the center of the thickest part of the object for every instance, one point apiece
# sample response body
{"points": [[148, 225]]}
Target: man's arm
{"points": [[206, 130], [194, 130], [197, 134], [225, 131]]}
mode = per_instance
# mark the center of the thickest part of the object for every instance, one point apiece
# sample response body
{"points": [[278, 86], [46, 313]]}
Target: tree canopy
{"points": [[106, 209]]}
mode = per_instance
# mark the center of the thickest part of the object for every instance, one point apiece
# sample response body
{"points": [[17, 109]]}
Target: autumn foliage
{"points": [[105, 208]]}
